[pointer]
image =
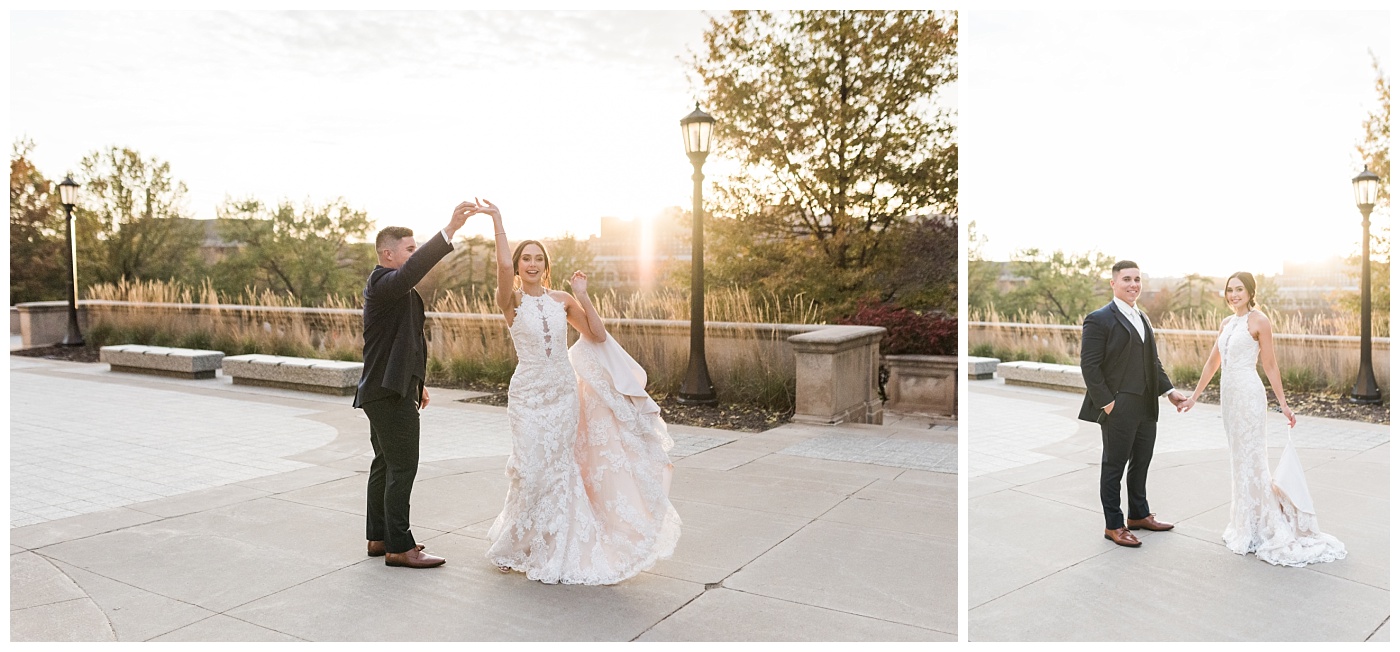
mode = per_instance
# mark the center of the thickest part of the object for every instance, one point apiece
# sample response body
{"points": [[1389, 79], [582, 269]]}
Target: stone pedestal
{"points": [[838, 374], [922, 384], [42, 323]]}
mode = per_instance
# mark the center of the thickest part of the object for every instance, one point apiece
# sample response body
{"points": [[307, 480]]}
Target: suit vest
{"points": [[1137, 362]]}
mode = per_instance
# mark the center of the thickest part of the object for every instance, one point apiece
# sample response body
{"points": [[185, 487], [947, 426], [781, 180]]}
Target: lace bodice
{"points": [[1239, 352], [540, 331]]}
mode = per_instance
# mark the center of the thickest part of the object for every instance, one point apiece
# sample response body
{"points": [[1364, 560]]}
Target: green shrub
{"points": [[102, 334], [292, 348], [345, 355], [497, 370], [1185, 374], [247, 344], [226, 343], [1301, 379], [143, 334], [462, 370], [467, 370], [199, 339], [754, 386]]}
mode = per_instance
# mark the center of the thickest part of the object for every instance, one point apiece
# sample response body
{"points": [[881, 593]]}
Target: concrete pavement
{"points": [[1039, 569], [147, 508]]}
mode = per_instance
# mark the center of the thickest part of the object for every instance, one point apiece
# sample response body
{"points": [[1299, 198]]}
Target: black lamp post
{"points": [[697, 389], [1366, 186], [68, 196]]}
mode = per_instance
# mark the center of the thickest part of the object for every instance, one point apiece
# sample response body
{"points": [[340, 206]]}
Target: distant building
{"points": [[1314, 286], [631, 255], [1006, 281], [1307, 288], [214, 247]]}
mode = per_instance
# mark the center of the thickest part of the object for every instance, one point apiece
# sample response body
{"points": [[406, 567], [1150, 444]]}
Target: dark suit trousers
{"points": [[1128, 437], [393, 431]]}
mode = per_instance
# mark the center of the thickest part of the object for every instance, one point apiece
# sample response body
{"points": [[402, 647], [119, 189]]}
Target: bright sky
{"points": [[559, 118], [1187, 141]]}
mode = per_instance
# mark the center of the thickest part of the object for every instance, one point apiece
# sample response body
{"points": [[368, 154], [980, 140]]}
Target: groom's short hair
{"points": [[389, 235], [1124, 264]]}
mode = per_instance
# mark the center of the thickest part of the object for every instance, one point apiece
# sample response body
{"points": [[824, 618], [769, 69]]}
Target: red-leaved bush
{"points": [[907, 331]]}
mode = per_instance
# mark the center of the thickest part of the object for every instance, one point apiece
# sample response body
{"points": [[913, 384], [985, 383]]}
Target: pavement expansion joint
{"points": [[1378, 628]]}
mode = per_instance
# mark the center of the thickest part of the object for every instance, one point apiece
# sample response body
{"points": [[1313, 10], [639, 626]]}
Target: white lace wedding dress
{"points": [[589, 474], [1263, 520]]}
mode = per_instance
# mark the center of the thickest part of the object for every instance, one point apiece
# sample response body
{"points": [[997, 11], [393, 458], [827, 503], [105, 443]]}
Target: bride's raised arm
{"points": [[1270, 362], [505, 270]]}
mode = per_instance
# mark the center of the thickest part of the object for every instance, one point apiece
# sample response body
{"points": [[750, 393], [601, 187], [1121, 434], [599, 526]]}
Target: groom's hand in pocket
{"points": [[424, 403], [1108, 409]]}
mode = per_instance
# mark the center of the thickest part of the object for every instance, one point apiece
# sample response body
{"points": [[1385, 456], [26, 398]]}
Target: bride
{"points": [[589, 475], [1264, 518]]}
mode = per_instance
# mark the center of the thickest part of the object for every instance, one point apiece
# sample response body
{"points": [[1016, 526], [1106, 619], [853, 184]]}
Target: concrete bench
{"points": [[305, 374], [1038, 374], [981, 368], [161, 360]]}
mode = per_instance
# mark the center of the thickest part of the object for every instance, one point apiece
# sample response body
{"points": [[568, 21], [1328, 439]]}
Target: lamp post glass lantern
{"points": [[68, 196], [696, 388], [696, 128], [1365, 186]]}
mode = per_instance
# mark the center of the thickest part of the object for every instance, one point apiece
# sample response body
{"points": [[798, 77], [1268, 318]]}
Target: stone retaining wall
{"points": [[922, 384], [1330, 356], [841, 388]]}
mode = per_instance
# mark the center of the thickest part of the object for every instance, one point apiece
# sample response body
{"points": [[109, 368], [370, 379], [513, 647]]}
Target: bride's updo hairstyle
{"points": [[520, 248], [1245, 278]]}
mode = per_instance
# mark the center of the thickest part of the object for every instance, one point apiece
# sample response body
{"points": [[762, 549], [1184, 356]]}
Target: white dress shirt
{"points": [[1133, 316]]}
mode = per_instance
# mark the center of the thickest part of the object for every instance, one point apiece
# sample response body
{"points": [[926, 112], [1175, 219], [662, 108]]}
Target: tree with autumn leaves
{"points": [[38, 261], [1375, 154], [847, 189], [132, 224]]}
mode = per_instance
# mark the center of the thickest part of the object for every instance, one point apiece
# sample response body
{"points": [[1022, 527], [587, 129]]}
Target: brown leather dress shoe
{"points": [[1149, 523], [376, 548], [1122, 537], [412, 559]]}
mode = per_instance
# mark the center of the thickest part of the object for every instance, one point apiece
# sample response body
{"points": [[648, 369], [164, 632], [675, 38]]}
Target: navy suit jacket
{"points": [[1108, 363], [396, 353]]}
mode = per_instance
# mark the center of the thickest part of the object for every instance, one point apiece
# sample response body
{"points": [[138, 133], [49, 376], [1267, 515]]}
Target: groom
{"points": [[391, 390], [1124, 377]]}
